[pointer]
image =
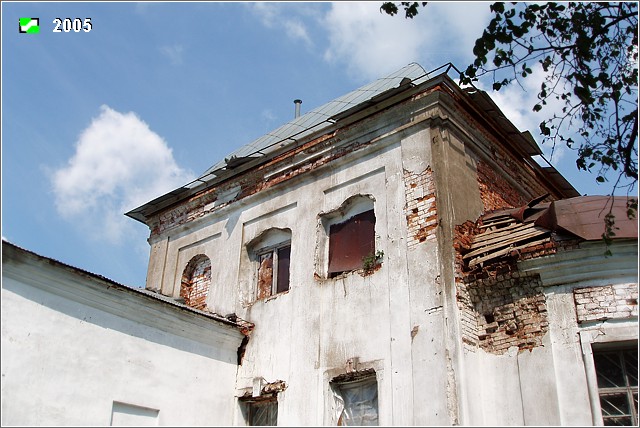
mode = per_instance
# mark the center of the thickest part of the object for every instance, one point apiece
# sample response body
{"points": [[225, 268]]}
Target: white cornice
{"points": [[587, 265]]}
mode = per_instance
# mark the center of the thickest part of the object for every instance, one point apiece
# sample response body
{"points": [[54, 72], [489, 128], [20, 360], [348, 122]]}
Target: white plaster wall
{"points": [[568, 369], [553, 384], [306, 335], [66, 363], [319, 324]]}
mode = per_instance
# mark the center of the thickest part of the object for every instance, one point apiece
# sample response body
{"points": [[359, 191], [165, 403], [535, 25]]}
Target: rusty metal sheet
{"points": [[351, 241], [584, 217]]}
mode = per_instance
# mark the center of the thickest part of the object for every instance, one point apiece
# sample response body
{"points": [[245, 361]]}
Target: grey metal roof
{"points": [[325, 116], [318, 118]]}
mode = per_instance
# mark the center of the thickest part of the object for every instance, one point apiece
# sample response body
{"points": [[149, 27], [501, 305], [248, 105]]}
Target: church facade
{"points": [[397, 256]]}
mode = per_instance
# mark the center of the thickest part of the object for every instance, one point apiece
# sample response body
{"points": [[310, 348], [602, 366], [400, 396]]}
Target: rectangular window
{"points": [[350, 242], [357, 402], [617, 373], [124, 414], [273, 270], [261, 413]]}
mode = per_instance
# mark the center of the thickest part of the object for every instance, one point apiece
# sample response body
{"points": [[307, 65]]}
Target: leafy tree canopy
{"points": [[588, 53]]}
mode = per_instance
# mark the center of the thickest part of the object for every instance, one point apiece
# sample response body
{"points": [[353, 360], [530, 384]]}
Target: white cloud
{"points": [[516, 102], [272, 15], [118, 165], [372, 43], [173, 52]]}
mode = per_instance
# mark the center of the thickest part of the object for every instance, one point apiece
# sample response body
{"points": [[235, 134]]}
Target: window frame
{"points": [[628, 391], [249, 407], [274, 251], [363, 379]]}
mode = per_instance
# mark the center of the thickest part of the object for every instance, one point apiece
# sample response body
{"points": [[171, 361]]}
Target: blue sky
{"points": [[97, 123]]}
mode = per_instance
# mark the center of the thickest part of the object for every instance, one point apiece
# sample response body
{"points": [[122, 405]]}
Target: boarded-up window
{"points": [[350, 242], [273, 271], [617, 373]]}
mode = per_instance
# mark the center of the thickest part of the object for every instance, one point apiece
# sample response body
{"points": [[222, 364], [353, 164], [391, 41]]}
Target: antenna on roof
{"points": [[297, 103]]}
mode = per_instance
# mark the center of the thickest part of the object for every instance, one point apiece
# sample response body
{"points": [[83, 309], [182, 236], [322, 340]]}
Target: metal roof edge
{"points": [[111, 283]]}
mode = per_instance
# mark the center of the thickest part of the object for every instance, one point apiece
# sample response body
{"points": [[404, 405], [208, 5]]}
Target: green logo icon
{"points": [[29, 25]]}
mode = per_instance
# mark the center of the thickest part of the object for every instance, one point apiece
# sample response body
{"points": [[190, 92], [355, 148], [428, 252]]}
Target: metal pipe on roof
{"points": [[297, 103]]}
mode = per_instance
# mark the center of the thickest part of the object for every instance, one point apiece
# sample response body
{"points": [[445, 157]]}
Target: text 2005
{"points": [[76, 25]]}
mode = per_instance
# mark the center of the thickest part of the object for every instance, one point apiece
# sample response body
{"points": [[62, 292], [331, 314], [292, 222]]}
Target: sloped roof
{"points": [[307, 124], [317, 119], [320, 119], [9, 248]]}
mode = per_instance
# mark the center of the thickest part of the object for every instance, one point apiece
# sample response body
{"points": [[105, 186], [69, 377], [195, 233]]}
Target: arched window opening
{"points": [[196, 280], [271, 252]]}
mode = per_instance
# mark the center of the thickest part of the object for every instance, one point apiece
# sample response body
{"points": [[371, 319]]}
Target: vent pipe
{"points": [[297, 103]]}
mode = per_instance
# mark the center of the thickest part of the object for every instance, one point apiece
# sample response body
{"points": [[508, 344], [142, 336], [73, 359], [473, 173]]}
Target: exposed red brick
{"points": [[420, 206], [196, 280], [495, 191]]}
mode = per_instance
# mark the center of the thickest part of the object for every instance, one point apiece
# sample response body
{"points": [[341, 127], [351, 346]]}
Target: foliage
{"points": [[410, 8], [372, 260], [588, 52]]}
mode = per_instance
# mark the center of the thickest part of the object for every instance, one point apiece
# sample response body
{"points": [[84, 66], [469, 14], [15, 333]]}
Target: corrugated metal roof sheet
{"points": [[319, 118]]}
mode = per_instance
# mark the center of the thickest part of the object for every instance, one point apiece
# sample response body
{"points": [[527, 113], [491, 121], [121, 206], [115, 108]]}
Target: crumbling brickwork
{"points": [[510, 310], [196, 281], [606, 302], [420, 207], [256, 180], [495, 191], [500, 307]]}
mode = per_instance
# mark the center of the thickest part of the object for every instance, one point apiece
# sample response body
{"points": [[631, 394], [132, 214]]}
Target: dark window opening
{"points": [[273, 271], [350, 242], [617, 374], [261, 413], [284, 260]]}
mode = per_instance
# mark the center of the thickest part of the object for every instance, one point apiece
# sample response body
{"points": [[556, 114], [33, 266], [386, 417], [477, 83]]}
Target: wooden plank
{"points": [[521, 235], [504, 251], [515, 238], [501, 220], [479, 239]]}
